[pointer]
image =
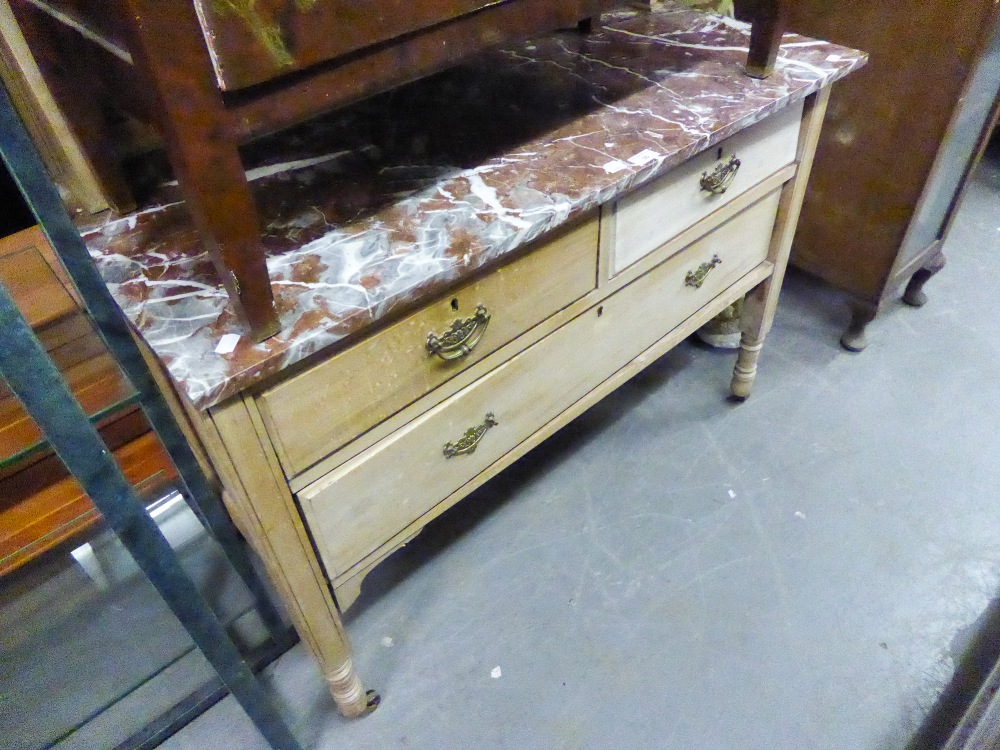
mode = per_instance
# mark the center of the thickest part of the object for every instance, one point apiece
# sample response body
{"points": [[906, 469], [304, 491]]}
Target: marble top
{"points": [[376, 207]]}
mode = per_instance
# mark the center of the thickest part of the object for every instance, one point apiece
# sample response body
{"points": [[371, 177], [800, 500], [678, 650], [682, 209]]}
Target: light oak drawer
{"points": [[315, 413], [657, 212], [374, 497]]}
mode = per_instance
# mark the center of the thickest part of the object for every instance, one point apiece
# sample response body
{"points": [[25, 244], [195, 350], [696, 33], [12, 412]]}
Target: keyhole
{"points": [[600, 311], [454, 304], [720, 153]]}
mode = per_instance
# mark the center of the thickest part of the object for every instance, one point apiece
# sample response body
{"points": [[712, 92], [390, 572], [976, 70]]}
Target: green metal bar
{"points": [[36, 381], [28, 170]]}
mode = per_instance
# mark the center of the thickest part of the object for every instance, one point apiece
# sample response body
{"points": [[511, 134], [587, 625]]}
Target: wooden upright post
{"points": [[167, 44], [769, 18]]}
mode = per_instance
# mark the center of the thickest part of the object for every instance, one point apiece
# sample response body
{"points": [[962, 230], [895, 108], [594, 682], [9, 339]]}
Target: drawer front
{"points": [[313, 414], [251, 42], [652, 215], [364, 503]]}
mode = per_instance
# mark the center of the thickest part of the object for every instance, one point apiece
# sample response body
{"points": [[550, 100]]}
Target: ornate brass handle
{"points": [[461, 338], [722, 176], [468, 442], [697, 277]]}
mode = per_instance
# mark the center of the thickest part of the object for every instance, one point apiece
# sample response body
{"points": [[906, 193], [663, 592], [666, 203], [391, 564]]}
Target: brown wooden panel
{"points": [[35, 289], [66, 61], [96, 383], [64, 52], [102, 17], [44, 506], [35, 278], [253, 41], [884, 127], [51, 133]]}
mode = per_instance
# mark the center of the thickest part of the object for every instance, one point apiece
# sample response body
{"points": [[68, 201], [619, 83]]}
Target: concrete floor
{"points": [[807, 570], [86, 662]]}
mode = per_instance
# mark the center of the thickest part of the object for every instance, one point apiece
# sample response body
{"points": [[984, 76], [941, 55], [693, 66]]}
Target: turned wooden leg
{"points": [[760, 303], [167, 44], [259, 500], [745, 371], [768, 18], [854, 338], [914, 294], [350, 696]]}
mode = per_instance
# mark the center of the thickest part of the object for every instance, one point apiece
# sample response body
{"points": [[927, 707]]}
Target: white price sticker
{"points": [[615, 166], [644, 157], [227, 344]]}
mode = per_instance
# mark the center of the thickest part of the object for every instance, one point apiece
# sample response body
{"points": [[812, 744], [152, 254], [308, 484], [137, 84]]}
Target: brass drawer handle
{"points": [[722, 176], [697, 278], [461, 338], [467, 443]]}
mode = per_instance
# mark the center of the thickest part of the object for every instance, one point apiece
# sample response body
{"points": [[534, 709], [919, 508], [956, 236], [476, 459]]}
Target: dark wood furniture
{"points": [[769, 18], [902, 137], [212, 74]]}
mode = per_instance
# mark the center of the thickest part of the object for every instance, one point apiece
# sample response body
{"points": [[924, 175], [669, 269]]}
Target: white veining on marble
{"points": [[663, 86]]}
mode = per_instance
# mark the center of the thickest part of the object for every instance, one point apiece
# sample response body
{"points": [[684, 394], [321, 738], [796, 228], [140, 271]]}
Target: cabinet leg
{"points": [[168, 48], [768, 19], [348, 693], [259, 498], [226, 218], [745, 371], [854, 338], [914, 295]]}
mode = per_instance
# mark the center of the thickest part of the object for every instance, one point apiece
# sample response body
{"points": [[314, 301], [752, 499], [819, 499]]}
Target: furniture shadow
{"points": [[976, 651]]}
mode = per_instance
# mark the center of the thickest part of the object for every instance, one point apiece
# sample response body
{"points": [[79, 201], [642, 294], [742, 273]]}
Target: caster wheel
{"points": [[853, 343]]}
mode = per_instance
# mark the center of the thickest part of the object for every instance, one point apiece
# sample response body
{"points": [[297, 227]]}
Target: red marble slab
{"points": [[377, 207]]}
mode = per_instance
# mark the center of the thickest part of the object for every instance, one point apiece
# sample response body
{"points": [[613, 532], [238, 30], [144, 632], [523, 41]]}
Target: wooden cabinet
{"points": [[327, 476], [902, 138], [534, 228]]}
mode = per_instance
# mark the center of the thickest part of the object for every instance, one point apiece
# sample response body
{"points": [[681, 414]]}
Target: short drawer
{"points": [[315, 413], [366, 502], [657, 212]]}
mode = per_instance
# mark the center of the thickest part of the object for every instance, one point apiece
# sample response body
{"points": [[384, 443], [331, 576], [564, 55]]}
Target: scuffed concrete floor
{"points": [[672, 570]]}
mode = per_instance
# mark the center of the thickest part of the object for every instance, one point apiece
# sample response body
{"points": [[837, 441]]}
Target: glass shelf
{"points": [[40, 446], [49, 304]]}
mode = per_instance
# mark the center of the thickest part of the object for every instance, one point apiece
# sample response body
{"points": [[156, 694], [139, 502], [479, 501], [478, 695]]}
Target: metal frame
{"points": [[36, 381], [28, 170]]}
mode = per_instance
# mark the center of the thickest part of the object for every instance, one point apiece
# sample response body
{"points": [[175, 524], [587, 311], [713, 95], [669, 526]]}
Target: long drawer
{"points": [[313, 414], [362, 504], [650, 216]]}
